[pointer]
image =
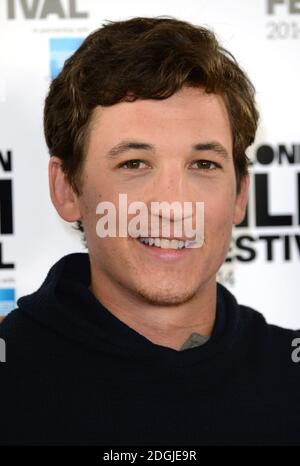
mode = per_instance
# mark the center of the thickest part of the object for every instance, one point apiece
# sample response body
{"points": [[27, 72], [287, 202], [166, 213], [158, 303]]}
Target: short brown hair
{"points": [[144, 58]]}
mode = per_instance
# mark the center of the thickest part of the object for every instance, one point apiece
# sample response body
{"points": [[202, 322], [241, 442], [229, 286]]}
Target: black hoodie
{"points": [[77, 375]]}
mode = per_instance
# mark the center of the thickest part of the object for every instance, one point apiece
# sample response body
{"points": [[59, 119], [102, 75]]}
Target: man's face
{"points": [[173, 171]]}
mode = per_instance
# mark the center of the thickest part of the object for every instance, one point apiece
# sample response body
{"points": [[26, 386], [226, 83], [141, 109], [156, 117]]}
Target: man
{"points": [[135, 343]]}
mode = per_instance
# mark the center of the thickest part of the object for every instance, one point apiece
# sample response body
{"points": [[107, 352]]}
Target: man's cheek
{"points": [[218, 224]]}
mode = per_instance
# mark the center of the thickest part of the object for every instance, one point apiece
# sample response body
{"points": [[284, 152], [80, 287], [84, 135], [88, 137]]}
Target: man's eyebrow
{"points": [[127, 145], [212, 146], [124, 146]]}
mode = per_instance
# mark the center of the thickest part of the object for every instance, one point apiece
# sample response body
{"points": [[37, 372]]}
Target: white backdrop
{"points": [[263, 35]]}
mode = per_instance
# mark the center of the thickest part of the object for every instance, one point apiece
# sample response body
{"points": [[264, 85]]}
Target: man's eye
{"points": [[132, 164], [205, 164]]}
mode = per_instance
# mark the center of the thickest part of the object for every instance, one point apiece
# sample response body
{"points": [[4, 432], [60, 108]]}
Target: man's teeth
{"points": [[164, 243]]}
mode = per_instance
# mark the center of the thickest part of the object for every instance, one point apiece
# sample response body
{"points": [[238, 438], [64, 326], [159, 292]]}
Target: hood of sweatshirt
{"points": [[65, 305]]}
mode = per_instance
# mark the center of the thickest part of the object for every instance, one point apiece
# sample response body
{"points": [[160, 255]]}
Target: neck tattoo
{"points": [[194, 340]]}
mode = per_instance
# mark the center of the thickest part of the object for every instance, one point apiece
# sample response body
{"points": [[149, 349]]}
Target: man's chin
{"points": [[165, 297]]}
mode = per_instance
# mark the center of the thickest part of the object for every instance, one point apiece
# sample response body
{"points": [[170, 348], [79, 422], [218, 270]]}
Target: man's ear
{"points": [[241, 201], [63, 197]]}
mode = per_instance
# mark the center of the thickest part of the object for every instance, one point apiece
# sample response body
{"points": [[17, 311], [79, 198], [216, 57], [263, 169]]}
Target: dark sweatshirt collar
{"points": [[65, 305]]}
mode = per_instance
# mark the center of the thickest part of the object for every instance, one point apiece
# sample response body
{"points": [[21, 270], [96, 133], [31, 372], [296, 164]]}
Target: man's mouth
{"points": [[165, 243], [165, 250]]}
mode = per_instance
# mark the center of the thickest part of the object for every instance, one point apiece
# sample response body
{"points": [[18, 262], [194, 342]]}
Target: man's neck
{"points": [[170, 326]]}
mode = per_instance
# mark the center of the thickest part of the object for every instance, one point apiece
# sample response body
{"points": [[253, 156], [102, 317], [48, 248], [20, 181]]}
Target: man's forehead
{"points": [[167, 108]]}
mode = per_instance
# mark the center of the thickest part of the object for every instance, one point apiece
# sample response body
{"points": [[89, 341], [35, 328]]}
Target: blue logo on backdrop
{"points": [[7, 300], [60, 49]]}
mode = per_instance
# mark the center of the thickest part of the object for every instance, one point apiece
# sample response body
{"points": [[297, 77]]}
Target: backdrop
{"points": [[36, 36]]}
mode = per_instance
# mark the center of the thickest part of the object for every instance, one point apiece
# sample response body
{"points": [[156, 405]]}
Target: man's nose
{"points": [[171, 184], [171, 187]]}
